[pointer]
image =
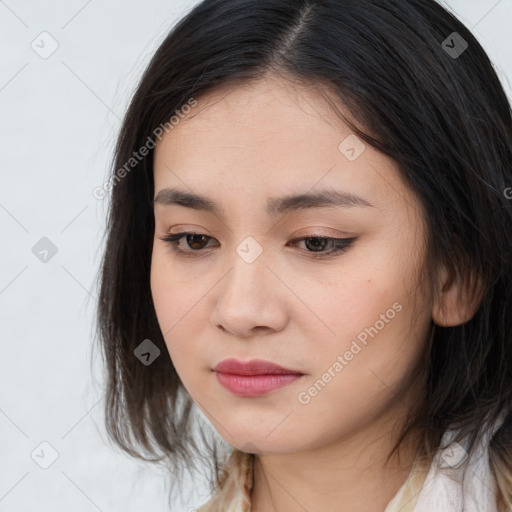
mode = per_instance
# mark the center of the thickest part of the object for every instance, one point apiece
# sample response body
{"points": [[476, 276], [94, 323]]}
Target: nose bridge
{"points": [[247, 297], [249, 270]]}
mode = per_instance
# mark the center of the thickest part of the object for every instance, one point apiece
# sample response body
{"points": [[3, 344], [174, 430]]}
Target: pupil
{"points": [[191, 237], [320, 240]]}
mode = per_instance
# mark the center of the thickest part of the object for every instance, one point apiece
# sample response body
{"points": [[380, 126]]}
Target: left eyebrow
{"points": [[275, 206]]}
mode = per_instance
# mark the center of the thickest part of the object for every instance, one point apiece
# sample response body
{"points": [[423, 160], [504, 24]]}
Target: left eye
{"points": [[197, 241]]}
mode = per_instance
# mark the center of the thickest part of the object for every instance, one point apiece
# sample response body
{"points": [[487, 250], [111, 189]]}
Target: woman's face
{"points": [[352, 323]]}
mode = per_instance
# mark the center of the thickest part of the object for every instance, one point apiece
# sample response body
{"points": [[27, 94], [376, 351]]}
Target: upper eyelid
{"points": [[299, 237]]}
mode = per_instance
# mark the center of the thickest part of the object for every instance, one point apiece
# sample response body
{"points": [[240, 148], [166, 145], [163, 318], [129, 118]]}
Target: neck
{"points": [[350, 474]]}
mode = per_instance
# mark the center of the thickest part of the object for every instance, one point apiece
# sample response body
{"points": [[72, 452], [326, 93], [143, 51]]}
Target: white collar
{"points": [[456, 482]]}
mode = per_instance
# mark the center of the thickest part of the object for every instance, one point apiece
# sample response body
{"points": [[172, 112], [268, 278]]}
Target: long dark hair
{"points": [[428, 98]]}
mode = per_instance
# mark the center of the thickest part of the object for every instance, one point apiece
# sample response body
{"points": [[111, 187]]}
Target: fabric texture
{"points": [[453, 482]]}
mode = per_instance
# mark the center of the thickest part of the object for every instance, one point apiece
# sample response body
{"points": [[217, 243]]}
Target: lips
{"points": [[254, 378], [253, 367]]}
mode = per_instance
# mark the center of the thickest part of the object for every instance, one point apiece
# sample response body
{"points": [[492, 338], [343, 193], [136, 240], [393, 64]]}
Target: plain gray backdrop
{"points": [[66, 75]]}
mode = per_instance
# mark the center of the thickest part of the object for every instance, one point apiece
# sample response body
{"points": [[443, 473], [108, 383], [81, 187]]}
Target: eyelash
{"points": [[340, 244]]}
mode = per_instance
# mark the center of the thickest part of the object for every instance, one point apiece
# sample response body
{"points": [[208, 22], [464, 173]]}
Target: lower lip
{"points": [[255, 385]]}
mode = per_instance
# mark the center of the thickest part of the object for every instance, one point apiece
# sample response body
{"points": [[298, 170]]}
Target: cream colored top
{"points": [[453, 481], [234, 492]]}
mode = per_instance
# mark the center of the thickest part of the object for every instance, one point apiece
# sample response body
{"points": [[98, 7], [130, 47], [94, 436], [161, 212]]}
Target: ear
{"points": [[457, 300]]}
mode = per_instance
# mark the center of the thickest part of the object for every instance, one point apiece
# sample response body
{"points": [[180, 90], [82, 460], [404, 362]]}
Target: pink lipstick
{"points": [[255, 377]]}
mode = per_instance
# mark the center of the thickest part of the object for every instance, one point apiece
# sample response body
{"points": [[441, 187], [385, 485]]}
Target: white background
{"points": [[59, 119]]}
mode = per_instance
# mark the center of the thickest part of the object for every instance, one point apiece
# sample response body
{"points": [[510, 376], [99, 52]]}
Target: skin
{"points": [[239, 147]]}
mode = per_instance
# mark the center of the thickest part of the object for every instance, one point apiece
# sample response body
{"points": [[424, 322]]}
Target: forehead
{"points": [[268, 138], [268, 114]]}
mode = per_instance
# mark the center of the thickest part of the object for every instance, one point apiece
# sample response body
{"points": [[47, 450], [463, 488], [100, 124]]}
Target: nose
{"points": [[250, 299]]}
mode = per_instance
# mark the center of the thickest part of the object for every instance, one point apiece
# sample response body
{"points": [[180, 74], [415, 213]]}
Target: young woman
{"points": [[309, 244]]}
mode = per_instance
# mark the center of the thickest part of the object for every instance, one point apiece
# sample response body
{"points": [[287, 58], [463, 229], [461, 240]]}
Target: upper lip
{"points": [[252, 367]]}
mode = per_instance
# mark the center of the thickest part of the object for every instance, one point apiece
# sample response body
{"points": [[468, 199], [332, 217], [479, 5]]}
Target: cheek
{"points": [[173, 295], [372, 334], [365, 329], [180, 310], [166, 297], [351, 302], [162, 300]]}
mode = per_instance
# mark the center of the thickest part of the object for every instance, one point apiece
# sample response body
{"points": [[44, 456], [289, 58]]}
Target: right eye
{"points": [[192, 239]]}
